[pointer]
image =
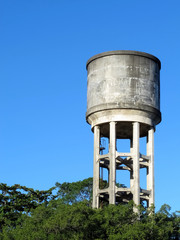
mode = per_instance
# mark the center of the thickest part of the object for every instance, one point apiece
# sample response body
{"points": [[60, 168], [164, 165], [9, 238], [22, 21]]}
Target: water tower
{"points": [[123, 102]]}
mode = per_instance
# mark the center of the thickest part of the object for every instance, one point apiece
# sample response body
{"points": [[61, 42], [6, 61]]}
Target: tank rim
{"points": [[124, 52], [143, 108]]}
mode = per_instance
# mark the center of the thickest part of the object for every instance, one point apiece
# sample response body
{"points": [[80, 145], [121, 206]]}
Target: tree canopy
{"points": [[66, 213]]}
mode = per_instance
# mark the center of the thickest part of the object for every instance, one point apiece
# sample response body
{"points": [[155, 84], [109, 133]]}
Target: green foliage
{"points": [[76, 191], [38, 215], [17, 200]]}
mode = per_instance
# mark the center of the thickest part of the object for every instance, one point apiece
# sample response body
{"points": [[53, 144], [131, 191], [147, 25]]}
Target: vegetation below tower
{"points": [[64, 212]]}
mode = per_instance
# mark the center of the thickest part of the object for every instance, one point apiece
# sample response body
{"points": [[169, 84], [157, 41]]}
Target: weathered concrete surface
{"points": [[124, 80], [123, 101]]}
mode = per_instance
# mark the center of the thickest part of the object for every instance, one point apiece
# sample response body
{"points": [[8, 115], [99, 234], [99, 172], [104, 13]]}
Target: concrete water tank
{"points": [[123, 86]]}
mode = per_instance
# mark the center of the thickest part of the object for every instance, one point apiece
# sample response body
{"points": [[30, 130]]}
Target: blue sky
{"points": [[44, 46]]}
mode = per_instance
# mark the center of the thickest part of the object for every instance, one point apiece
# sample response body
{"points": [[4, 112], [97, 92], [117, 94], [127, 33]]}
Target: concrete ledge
{"points": [[124, 52]]}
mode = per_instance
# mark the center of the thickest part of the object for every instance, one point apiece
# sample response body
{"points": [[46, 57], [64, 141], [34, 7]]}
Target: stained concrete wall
{"points": [[124, 80]]}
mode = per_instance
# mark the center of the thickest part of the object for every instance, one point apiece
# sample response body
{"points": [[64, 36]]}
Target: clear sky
{"points": [[44, 46]]}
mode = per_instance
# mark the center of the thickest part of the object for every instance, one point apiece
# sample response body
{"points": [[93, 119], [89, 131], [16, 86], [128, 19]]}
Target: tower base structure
{"points": [[131, 161]]}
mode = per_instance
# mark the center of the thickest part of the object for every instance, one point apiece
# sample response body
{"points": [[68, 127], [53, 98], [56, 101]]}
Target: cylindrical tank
{"points": [[123, 86]]}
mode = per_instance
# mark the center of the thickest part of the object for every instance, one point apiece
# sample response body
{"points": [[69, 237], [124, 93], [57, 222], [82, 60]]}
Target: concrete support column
{"points": [[136, 180], [96, 167], [150, 169], [112, 167]]}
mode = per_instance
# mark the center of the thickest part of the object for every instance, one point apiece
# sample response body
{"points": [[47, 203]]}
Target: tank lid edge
{"points": [[124, 52]]}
